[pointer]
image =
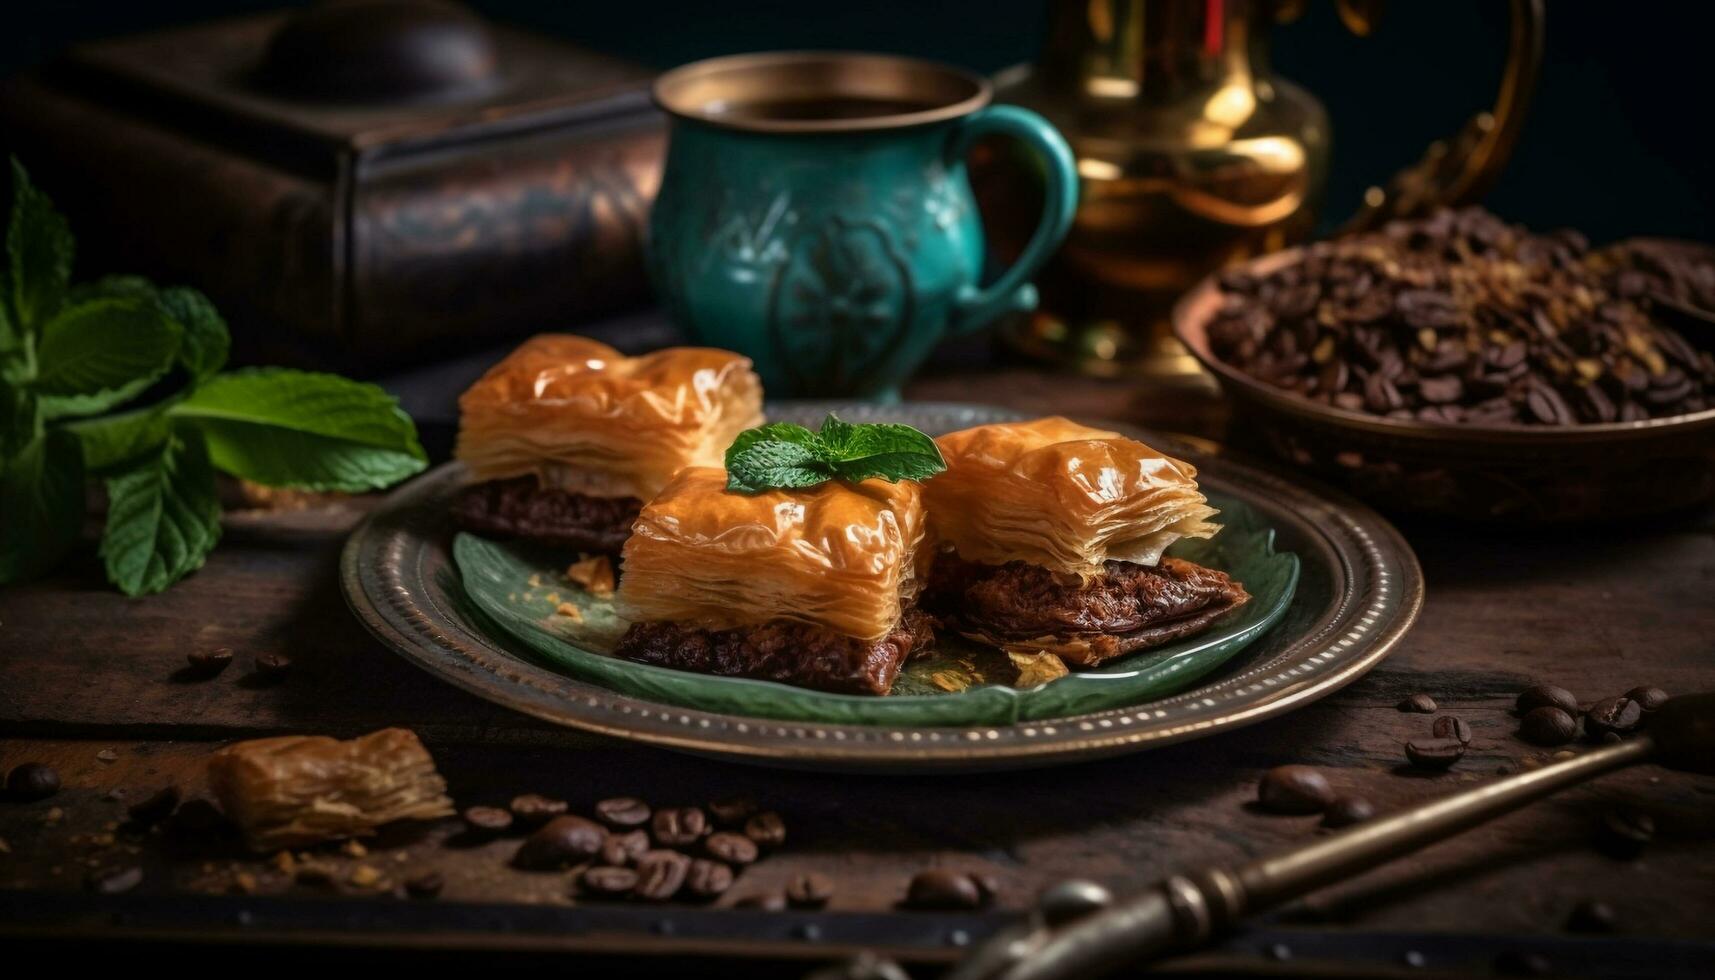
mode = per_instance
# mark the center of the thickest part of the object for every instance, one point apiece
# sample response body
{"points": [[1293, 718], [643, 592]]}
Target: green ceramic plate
{"points": [[519, 590]]}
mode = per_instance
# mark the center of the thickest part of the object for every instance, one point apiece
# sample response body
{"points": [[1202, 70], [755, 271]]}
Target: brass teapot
{"points": [[1193, 155]]}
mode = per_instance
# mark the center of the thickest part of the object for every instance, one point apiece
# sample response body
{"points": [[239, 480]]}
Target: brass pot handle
{"points": [[1462, 169]]}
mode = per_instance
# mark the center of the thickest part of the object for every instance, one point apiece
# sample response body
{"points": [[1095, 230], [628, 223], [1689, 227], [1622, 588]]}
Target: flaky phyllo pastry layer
{"points": [[580, 416], [837, 555], [1063, 496]]}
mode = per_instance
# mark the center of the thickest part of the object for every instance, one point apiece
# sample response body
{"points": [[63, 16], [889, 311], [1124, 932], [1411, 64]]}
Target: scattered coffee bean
{"points": [[660, 875], [766, 829], [1647, 698], [1448, 726], [988, 886], [1591, 915], [730, 848], [560, 843], [679, 826], [1434, 753], [1348, 810], [1294, 789], [623, 812], [1618, 715], [732, 812], [811, 890], [1421, 704], [1623, 833], [1547, 725], [32, 781], [534, 810], [115, 881], [1547, 696], [208, 663], [608, 880], [938, 888], [157, 807], [273, 666], [766, 901], [425, 885], [621, 849], [486, 821], [197, 817], [707, 879]]}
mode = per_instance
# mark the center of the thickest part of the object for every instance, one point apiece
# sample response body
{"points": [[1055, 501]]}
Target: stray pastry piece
{"points": [[813, 587], [566, 437], [1052, 537], [301, 789]]}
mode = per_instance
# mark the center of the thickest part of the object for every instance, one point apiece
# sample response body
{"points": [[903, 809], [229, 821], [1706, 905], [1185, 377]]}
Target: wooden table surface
{"points": [[91, 682]]}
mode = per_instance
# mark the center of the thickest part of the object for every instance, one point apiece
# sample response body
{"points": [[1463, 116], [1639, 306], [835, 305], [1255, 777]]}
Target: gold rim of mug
{"points": [[688, 91]]}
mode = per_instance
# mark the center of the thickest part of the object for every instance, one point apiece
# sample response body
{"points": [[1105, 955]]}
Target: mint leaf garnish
{"points": [[40, 247], [299, 429], [163, 518], [102, 352], [206, 341], [785, 456], [41, 498], [115, 440]]}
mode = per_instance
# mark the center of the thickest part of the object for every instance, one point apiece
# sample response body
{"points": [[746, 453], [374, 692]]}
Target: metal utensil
{"points": [[1186, 911]]}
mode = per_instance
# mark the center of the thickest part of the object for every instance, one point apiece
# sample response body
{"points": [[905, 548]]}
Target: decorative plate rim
{"points": [[1377, 594]]}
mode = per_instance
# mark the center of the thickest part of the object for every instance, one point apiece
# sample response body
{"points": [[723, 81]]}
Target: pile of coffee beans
{"points": [[1549, 715], [1462, 318]]}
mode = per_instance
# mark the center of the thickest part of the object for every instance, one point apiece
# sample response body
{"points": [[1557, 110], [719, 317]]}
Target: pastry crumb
{"points": [[569, 611], [594, 574], [946, 680], [1036, 668]]}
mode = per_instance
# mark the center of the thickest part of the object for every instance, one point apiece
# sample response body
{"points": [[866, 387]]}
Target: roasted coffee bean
{"points": [[766, 901], [607, 880], [1623, 833], [209, 662], [1547, 725], [1618, 715], [679, 826], [197, 817], [32, 781], [938, 888], [766, 829], [1294, 789], [623, 812], [731, 813], [1434, 753], [622, 849], [988, 886], [1547, 696], [1647, 698], [115, 881], [811, 890], [707, 879], [425, 885], [486, 821], [534, 810], [273, 666], [157, 806], [1347, 810], [1421, 704], [560, 843], [1448, 726], [730, 848], [660, 875], [1591, 915]]}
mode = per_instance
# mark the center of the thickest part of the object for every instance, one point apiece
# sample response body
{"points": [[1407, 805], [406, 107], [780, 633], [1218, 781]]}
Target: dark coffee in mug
{"points": [[843, 107]]}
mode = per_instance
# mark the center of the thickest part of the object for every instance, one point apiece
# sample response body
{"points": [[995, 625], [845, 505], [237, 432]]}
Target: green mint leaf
{"points": [[286, 428], [101, 352], [20, 420], [836, 434], [882, 450], [116, 440], [40, 246], [773, 464], [206, 340], [41, 505], [163, 517], [787, 432]]}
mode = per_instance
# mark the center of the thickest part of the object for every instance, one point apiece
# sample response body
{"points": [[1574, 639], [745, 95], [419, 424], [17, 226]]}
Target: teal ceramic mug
{"points": [[815, 214]]}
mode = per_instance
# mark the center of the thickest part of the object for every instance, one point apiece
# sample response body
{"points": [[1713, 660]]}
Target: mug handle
{"points": [[975, 307]]}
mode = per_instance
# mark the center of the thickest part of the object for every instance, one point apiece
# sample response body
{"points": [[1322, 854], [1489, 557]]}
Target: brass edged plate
{"points": [[1359, 591]]}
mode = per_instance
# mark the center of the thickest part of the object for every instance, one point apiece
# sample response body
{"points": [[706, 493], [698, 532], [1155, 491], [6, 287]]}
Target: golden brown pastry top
{"points": [[836, 555], [1061, 495], [580, 416]]}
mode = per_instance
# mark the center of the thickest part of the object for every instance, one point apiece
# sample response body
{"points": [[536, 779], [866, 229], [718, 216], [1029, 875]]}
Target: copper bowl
{"points": [[1537, 473]]}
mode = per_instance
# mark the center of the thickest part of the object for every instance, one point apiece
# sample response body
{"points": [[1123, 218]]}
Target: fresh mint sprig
{"points": [[784, 455], [70, 353]]}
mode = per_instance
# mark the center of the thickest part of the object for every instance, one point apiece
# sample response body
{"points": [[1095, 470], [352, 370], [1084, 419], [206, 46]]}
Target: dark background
{"points": [[1616, 142]]}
